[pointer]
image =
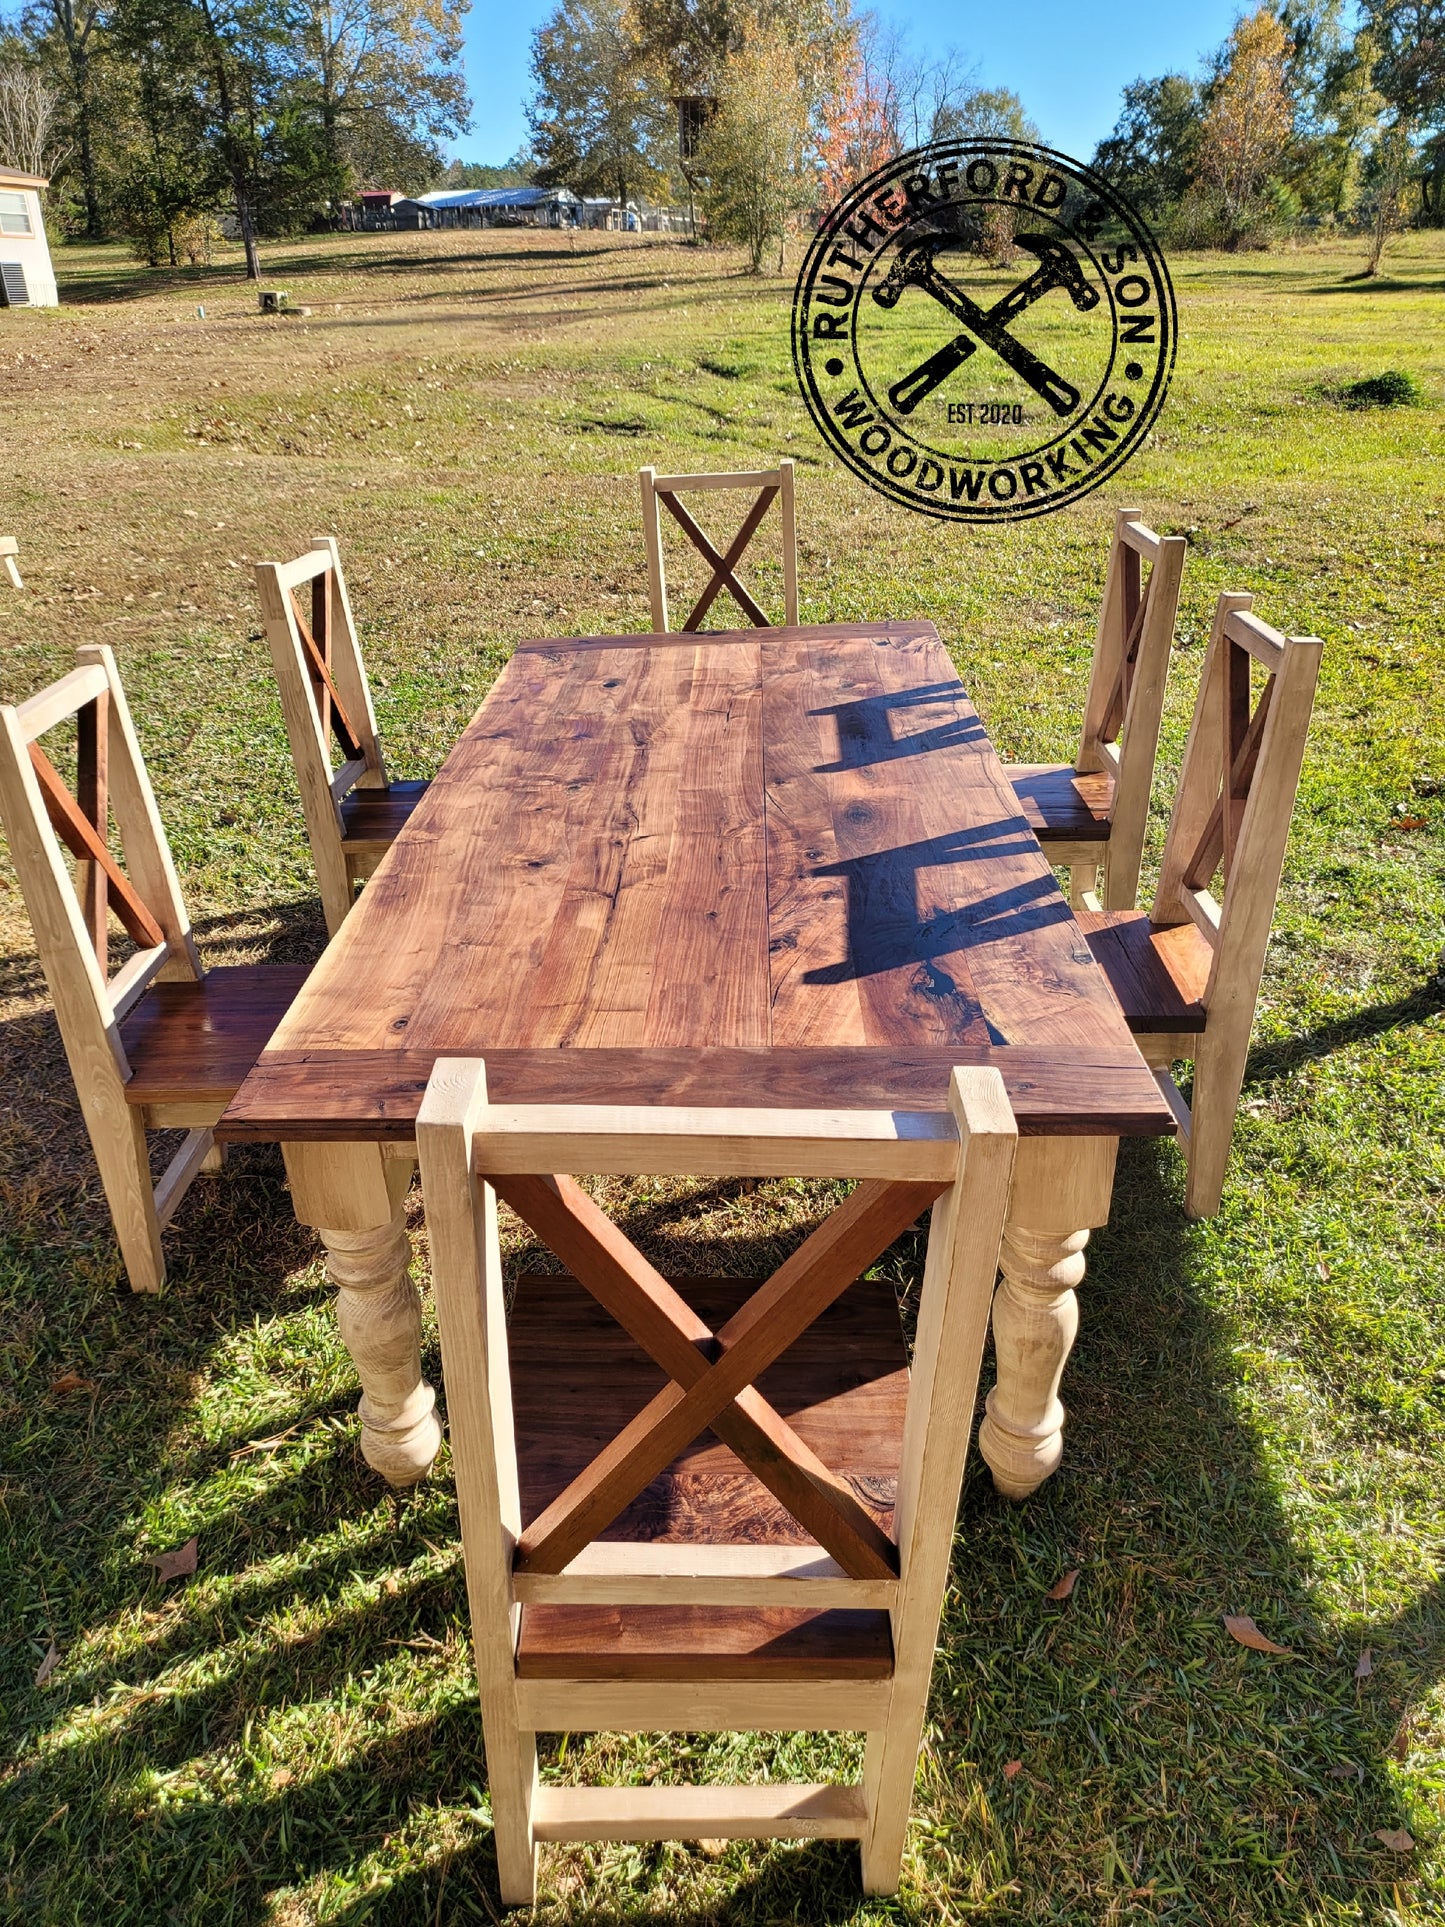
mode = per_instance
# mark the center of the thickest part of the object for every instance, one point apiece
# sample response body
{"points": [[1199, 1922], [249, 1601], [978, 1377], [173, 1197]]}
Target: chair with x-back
{"points": [[9, 567], [353, 812], [159, 1044], [1187, 974], [713, 1565], [768, 485], [1094, 811]]}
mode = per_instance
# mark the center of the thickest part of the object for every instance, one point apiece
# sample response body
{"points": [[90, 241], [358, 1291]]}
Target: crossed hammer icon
{"points": [[915, 266]]}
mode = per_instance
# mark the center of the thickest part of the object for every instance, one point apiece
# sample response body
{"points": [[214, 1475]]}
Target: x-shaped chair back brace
{"points": [[713, 1374], [770, 485]]}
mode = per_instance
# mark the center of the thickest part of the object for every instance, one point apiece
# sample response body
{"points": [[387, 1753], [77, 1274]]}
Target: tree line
{"points": [[1297, 120], [154, 115]]}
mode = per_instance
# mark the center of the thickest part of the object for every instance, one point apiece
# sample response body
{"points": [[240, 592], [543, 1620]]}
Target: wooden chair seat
{"points": [[1061, 805], [1158, 973], [377, 817], [577, 1377], [193, 1043]]}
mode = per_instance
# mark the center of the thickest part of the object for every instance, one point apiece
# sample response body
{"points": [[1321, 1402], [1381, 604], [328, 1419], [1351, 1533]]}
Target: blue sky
{"points": [[1069, 59]]}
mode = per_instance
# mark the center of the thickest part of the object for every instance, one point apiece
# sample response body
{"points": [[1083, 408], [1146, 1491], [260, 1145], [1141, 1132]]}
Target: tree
{"points": [[1248, 121], [754, 150], [1154, 148], [386, 83], [599, 121], [75, 27], [29, 117], [1388, 176], [1409, 72]]}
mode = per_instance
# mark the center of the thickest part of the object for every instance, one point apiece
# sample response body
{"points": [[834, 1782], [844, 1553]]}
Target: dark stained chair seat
{"points": [[378, 816], [193, 1043], [1157, 972], [1060, 805], [578, 1378]]}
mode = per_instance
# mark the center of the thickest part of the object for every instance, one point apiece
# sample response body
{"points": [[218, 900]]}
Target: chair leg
{"points": [[512, 1782], [890, 1766], [1082, 877], [1218, 1079], [125, 1172]]}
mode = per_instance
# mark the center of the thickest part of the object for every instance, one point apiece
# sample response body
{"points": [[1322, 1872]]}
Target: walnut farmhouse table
{"points": [[767, 867]]}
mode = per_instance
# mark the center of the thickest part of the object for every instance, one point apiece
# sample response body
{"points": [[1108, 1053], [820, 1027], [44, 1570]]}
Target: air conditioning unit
{"points": [[13, 291]]}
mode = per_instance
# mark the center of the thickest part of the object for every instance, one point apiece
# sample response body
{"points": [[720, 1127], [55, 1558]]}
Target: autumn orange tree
{"points": [[1248, 124]]}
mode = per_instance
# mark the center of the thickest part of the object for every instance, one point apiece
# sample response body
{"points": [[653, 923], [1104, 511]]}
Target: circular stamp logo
{"points": [[984, 330]]}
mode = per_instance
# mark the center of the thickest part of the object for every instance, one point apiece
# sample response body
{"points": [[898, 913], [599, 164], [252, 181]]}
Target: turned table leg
{"points": [[355, 1197], [1062, 1187]]}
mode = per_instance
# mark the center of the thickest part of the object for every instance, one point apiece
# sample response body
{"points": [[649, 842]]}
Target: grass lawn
{"points": [[1256, 1404]]}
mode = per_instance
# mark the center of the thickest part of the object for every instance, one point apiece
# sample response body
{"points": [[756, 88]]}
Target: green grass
{"points": [[1256, 1405]]}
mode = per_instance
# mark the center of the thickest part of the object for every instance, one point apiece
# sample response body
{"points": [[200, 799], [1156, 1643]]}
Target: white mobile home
{"points": [[27, 279]]}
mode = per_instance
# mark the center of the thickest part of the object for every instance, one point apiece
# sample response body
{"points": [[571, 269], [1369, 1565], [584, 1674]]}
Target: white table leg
{"points": [[1062, 1188], [355, 1197]]}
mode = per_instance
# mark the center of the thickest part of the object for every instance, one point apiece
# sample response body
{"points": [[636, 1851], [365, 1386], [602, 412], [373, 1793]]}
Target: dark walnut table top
{"points": [[773, 866]]}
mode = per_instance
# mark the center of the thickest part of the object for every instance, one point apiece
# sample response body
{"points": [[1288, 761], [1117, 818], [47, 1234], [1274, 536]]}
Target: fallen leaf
{"points": [[1012, 1769], [1408, 823], [1366, 1664], [1395, 1838], [1241, 1627], [48, 1664], [174, 1565], [71, 1382], [1063, 1587]]}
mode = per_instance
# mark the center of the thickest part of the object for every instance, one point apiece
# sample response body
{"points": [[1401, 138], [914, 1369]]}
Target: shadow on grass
{"points": [[1278, 1059], [1163, 1772]]}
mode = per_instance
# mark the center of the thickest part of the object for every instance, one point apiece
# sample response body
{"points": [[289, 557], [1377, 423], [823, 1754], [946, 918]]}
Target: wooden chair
{"points": [[9, 549], [788, 1577], [1095, 811], [1188, 975], [159, 1044], [353, 812], [663, 491]]}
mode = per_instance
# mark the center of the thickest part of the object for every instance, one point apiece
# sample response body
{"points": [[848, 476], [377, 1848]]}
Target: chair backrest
{"points": [[9, 549], [44, 819], [1125, 703], [1236, 793], [471, 1152], [769, 484], [325, 697]]}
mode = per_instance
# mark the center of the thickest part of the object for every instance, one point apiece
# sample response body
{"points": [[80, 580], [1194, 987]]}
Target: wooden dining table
{"points": [[754, 868]]}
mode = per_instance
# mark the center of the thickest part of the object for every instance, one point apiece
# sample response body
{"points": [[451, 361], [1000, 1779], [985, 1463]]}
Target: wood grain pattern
{"points": [[1157, 972], [195, 1042], [337, 1094], [788, 840], [1062, 806]]}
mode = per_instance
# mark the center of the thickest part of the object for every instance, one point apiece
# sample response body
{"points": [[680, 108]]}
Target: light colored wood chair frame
{"points": [[324, 694], [662, 491], [1232, 811], [70, 920], [9, 550], [470, 1152], [1125, 707]]}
